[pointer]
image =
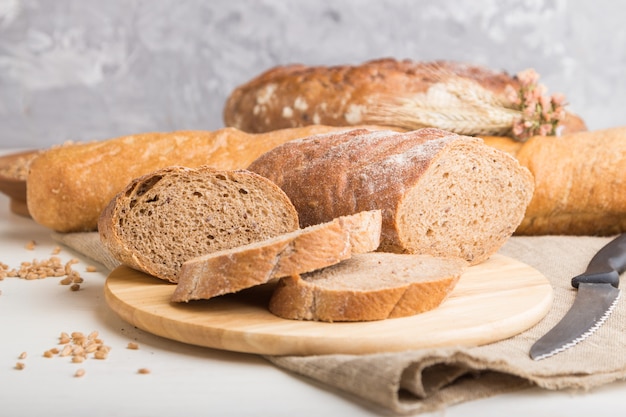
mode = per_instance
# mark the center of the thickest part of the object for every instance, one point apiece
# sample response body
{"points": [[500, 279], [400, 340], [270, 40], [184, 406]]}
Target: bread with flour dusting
{"points": [[456, 96], [440, 193], [69, 186]]}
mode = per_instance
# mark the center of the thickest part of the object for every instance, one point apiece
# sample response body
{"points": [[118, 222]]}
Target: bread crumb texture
{"points": [[372, 286], [440, 193], [163, 219]]}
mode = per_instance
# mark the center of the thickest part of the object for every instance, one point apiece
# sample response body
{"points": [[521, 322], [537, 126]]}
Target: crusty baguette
{"points": [[297, 252], [371, 286], [162, 219], [344, 95], [68, 186], [440, 193], [580, 182]]}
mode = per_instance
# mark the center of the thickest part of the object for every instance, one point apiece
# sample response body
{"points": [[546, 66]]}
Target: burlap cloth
{"points": [[420, 381]]}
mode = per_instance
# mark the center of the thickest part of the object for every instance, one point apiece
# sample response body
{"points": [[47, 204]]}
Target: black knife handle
{"points": [[606, 265]]}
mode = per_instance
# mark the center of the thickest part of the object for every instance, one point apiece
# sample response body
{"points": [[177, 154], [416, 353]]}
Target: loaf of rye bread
{"points": [[174, 214], [453, 96], [440, 193], [297, 252], [69, 186], [371, 286]]}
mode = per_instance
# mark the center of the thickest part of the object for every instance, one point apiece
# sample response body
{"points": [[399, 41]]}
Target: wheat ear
{"points": [[461, 106]]}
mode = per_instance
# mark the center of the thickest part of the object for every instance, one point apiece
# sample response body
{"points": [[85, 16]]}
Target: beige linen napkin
{"points": [[425, 380]]}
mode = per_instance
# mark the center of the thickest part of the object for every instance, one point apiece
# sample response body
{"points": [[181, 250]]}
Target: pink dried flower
{"points": [[545, 129], [518, 128], [529, 110], [546, 104], [540, 90], [540, 114], [558, 99], [559, 113], [528, 77]]}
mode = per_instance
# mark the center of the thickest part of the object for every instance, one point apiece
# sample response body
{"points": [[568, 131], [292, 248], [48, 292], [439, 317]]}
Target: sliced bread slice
{"points": [[162, 219], [297, 252], [371, 286]]}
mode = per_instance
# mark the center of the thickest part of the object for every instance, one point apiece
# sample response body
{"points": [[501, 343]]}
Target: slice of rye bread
{"points": [[162, 219], [297, 252], [366, 287], [440, 193]]}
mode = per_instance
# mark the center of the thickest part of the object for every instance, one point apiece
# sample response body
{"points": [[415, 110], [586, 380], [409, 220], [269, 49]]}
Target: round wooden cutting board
{"points": [[492, 301]]}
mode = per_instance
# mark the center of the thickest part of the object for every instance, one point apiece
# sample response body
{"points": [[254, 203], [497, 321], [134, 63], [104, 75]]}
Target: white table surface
{"points": [[184, 380]]}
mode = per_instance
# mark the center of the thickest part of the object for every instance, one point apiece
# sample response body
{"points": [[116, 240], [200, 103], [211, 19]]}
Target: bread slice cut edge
{"points": [[297, 252], [368, 287]]}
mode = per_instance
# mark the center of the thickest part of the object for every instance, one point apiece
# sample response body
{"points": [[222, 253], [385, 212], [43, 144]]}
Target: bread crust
{"points": [[69, 186], [300, 298], [184, 234], [332, 175], [343, 95], [301, 251], [579, 182]]}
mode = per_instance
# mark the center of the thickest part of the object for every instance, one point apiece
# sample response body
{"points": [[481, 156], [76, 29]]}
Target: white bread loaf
{"points": [[580, 186], [162, 219], [371, 286], [440, 193], [297, 252]]}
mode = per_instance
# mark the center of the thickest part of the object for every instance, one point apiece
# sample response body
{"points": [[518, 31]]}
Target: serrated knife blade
{"points": [[597, 296]]}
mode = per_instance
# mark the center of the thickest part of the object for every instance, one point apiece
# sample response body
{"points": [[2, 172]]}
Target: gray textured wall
{"points": [[94, 69]]}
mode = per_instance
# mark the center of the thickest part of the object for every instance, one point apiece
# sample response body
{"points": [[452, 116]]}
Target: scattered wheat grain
{"points": [[64, 338], [66, 281], [68, 265], [100, 354], [67, 350]]}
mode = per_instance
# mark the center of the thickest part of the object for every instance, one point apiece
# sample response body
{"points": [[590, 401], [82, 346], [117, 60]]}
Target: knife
{"points": [[597, 296]]}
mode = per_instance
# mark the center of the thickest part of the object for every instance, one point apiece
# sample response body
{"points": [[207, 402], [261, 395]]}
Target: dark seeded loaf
{"points": [[165, 218], [372, 286], [297, 252], [440, 193]]}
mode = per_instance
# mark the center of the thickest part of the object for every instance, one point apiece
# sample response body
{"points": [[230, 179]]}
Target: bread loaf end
{"points": [[174, 214]]}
